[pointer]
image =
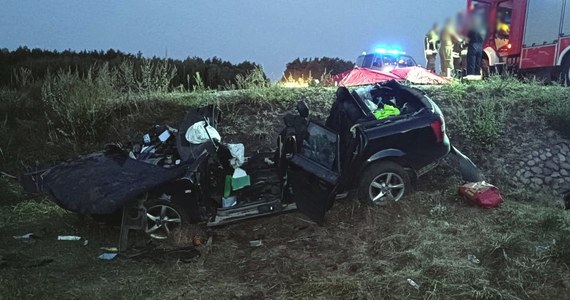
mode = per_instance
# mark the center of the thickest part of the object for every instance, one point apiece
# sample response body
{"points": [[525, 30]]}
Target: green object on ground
{"points": [[386, 111]]}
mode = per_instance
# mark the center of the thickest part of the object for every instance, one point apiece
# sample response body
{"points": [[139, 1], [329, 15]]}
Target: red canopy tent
{"points": [[361, 76], [419, 75]]}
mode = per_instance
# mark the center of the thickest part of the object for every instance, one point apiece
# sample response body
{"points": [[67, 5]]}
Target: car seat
{"points": [[189, 152]]}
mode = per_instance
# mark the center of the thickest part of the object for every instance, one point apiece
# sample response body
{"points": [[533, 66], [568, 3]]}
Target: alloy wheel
{"points": [[386, 187], [162, 220]]}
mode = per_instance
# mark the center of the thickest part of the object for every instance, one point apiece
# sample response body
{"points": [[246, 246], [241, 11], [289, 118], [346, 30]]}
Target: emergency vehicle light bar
{"points": [[393, 52]]}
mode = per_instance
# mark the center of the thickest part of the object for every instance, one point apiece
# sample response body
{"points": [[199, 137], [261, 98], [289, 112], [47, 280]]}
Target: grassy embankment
{"points": [[523, 247]]}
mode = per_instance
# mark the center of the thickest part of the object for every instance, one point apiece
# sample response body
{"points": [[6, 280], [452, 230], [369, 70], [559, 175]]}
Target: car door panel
{"points": [[313, 174]]}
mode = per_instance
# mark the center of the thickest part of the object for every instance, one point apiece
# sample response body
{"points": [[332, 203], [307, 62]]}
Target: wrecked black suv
{"points": [[181, 182]]}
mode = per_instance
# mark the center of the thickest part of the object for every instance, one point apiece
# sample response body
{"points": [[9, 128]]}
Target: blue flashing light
{"points": [[391, 51]]}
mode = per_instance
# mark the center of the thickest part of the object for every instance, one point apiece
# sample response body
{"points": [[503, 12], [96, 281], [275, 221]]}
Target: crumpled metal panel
{"points": [[99, 183]]}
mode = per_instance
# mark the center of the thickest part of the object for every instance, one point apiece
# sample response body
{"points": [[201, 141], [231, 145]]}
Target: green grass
{"points": [[433, 250], [360, 253], [479, 111]]}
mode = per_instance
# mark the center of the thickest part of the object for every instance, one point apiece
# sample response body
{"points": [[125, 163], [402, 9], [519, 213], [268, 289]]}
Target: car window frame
{"points": [[335, 165]]}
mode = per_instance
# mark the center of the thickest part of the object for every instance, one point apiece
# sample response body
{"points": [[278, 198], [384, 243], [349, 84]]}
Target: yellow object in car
{"points": [[386, 111]]}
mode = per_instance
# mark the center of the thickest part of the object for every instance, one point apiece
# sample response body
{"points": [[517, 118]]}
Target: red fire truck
{"points": [[527, 36]]}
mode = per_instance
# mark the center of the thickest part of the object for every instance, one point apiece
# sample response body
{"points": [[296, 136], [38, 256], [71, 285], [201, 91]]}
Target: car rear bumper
{"points": [[439, 153]]}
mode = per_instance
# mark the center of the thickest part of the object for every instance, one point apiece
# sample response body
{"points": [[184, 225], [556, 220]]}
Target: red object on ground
{"points": [[360, 76], [419, 75], [197, 240], [482, 194]]}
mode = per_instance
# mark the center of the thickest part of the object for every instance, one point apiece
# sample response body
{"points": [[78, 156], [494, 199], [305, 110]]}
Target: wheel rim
{"points": [[386, 187], [162, 219]]}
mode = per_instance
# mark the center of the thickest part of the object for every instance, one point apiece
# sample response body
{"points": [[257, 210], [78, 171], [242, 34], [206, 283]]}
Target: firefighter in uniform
{"points": [[460, 49], [449, 38], [431, 47]]}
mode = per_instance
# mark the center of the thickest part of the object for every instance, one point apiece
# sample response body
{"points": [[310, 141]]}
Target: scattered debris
{"points": [[110, 249], [85, 242], [473, 259], [413, 284], [26, 236], [482, 194], [68, 238], [256, 243], [541, 250], [107, 256], [197, 240], [229, 201]]}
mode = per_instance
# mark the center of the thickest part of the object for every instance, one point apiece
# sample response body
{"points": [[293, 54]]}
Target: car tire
{"points": [[164, 217], [383, 182]]}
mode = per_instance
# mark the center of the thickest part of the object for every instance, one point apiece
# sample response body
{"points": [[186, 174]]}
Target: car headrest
{"points": [[303, 109]]}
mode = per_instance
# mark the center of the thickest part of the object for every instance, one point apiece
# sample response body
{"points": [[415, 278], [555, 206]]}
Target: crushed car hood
{"points": [[98, 183]]}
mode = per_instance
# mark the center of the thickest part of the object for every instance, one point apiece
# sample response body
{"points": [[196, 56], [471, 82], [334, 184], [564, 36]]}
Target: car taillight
{"points": [[438, 128]]}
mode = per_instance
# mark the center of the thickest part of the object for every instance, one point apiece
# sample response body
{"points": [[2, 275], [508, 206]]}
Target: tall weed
{"points": [[558, 115], [482, 124], [253, 80], [78, 106], [75, 106]]}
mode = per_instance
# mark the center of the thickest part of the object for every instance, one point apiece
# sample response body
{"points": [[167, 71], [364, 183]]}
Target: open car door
{"points": [[313, 172]]}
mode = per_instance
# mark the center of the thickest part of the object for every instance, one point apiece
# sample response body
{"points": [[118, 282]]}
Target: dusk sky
{"points": [[269, 32]]}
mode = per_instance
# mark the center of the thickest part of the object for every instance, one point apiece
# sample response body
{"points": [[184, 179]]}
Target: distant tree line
{"points": [[214, 72], [315, 68]]}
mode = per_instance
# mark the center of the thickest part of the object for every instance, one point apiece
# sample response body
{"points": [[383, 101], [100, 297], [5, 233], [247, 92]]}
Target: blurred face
{"points": [[477, 20]]}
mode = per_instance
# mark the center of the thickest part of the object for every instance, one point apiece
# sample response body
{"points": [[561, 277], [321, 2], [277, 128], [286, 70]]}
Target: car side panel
{"points": [[386, 153], [411, 142]]}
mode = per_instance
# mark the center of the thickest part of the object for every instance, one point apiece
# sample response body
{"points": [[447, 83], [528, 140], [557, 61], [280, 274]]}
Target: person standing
{"points": [[431, 47], [460, 49], [449, 38], [476, 36]]}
